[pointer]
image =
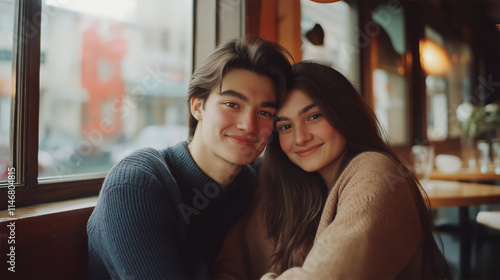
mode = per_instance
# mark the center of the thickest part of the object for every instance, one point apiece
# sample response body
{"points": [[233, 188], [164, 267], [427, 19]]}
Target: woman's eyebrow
{"points": [[279, 119], [307, 108], [301, 112]]}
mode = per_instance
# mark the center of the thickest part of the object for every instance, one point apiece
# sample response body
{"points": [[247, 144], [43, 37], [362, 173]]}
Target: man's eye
{"points": [[265, 113], [231, 104]]}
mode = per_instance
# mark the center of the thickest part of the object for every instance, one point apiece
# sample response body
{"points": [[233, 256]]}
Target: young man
{"points": [[164, 214]]}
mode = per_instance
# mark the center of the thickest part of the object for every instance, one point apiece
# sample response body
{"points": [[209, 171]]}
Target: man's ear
{"points": [[196, 107]]}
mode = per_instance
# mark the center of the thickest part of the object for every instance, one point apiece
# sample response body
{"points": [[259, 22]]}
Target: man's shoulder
{"points": [[145, 168], [143, 160], [147, 156]]}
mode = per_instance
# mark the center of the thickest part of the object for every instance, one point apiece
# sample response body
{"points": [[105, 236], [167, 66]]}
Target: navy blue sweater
{"points": [[159, 216]]}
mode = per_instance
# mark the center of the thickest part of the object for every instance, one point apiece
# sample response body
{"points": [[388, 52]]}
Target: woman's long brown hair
{"points": [[295, 198]]}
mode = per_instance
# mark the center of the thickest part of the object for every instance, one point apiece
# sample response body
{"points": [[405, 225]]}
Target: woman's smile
{"points": [[308, 151]]}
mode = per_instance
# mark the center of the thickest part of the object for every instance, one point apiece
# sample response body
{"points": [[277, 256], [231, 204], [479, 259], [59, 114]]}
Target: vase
{"points": [[469, 154]]}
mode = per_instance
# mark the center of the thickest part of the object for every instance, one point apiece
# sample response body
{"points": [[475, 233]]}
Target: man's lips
{"points": [[245, 141], [308, 151]]}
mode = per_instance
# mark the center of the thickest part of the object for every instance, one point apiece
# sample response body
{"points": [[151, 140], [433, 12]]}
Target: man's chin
{"points": [[244, 160]]}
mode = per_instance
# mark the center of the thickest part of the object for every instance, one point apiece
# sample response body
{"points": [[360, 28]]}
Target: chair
{"points": [[489, 218]]}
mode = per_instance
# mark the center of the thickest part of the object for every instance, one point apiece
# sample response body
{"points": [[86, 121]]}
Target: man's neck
{"points": [[222, 171]]}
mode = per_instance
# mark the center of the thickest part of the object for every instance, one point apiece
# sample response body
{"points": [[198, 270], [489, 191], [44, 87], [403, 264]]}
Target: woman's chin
{"points": [[308, 167]]}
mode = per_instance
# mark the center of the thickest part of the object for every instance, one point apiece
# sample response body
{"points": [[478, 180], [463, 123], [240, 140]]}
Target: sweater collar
{"points": [[189, 175]]}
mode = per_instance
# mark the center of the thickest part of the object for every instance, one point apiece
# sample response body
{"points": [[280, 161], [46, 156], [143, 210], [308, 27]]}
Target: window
{"points": [[388, 52], [91, 81], [332, 33], [327, 35], [6, 40], [113, 79], [448, 82]]}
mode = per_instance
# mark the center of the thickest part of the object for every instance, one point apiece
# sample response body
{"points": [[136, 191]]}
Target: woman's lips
{"points": [[308, 151]]}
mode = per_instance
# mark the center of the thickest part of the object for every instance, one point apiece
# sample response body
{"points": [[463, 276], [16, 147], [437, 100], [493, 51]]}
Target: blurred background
{"points": [[85, 82]]}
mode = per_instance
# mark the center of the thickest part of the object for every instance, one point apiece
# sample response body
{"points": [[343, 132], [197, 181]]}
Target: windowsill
{"points": [[49, 208]]}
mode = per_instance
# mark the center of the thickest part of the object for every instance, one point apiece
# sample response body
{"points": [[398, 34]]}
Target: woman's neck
{"points": [[329, 173]]}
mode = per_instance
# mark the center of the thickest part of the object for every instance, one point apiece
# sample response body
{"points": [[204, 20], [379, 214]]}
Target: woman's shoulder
{"points": [[375, 169], [372, 156], [374, 161]]}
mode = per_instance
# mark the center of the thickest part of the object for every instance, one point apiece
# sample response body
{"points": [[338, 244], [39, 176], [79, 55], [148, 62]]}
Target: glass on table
{"points": [[423, 162], [495, 146], [483, 149]]}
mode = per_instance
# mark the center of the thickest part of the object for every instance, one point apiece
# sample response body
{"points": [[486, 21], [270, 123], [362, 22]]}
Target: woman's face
{"points": [[306, 136]]}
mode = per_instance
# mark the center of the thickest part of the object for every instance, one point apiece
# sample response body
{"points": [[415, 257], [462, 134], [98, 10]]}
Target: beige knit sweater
{"points": [[369, 229]]}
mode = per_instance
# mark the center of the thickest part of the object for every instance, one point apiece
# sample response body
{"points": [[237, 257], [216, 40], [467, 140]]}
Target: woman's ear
{"points": [[196, 107]]}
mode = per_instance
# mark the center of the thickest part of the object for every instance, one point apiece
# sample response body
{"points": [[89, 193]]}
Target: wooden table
{"points": [[471, 175], [462, 194], [454, 193]]}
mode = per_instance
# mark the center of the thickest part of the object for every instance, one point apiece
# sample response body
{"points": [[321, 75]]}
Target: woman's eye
{"points": [[283, 127], [314, 116]]}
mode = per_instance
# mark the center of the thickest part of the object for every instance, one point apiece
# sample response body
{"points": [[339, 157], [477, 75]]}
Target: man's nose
{"points": [[248, 122]]}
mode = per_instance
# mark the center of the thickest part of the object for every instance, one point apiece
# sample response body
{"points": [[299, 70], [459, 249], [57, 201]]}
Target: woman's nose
{"points": [[302, 135]]}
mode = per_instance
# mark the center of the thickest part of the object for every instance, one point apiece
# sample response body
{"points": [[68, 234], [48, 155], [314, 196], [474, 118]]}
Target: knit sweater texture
{"points": [[369, 229], [159, 216]]}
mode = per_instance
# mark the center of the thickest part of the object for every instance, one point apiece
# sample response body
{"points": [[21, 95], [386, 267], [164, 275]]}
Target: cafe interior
{"points": [[430, 69]]}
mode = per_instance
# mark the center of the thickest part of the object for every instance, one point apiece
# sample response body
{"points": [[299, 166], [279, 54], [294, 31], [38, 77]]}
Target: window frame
{"points": [[25, 118], [24, 132]]}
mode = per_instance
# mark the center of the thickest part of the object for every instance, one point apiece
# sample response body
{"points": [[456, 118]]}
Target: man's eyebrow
{"points": [[301, 112], [268, 104], [233, 93], [243, 98]]}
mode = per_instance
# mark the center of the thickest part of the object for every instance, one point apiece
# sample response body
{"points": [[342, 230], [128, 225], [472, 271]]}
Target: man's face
{"points": [[236, 120]]}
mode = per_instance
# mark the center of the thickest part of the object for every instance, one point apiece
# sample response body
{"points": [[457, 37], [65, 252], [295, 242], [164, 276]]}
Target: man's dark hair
{"points": [[250, 53]]}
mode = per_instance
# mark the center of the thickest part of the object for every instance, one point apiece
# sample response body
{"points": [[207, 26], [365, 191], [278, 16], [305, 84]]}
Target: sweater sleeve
{"points": [[374, 230], [135, 227], [230, 262], [247, 250]]}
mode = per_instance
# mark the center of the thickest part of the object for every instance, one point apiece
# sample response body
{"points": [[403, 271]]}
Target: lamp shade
{"points": [[325, 1], [434, 58]]}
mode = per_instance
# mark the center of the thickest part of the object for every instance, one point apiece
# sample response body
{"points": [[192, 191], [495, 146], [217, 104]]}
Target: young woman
{"points": [[335, 201]]}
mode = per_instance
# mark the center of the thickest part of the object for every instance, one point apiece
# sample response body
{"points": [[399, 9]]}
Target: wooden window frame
{"points": [[29, 189], [25, 119]]}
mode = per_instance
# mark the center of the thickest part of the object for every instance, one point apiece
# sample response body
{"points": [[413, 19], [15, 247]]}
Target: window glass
{"points": [[113, 79], [388, 51], [447, 82], [327, 34], [7, 12]]}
